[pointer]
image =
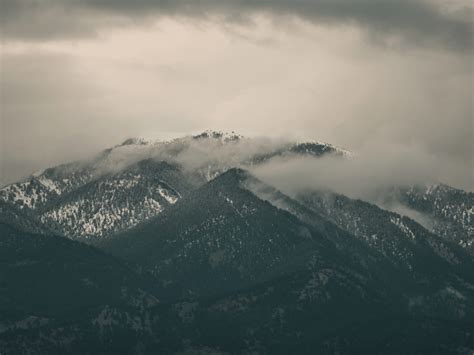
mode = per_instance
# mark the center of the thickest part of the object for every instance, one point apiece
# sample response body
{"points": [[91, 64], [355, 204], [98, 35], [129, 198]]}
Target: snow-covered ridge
{"points": [[211, 152], [107, 193], [115, 202], [46, 185]]}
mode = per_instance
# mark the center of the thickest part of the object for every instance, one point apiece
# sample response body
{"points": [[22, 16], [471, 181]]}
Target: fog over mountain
{"points": [[357, 74], [367, 173]]}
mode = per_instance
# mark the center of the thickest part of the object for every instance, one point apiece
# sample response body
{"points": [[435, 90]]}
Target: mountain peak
{"points": [[224, 136], [133, 141], [234, 173]]}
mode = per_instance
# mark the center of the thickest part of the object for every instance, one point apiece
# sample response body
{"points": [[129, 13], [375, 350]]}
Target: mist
{"points": [[204, 155], [363, 174], [368, 174]]}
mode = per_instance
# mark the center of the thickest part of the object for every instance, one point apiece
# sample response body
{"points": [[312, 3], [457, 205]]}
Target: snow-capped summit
{"points": [[223, 136], [134, 141]]}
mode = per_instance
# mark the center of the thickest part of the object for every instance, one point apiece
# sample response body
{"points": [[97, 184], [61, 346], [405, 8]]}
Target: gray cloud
{"points": [[64, 100], [420, 22]]}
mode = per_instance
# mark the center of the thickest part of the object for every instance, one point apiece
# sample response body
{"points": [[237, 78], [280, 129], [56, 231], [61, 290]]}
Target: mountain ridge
{"points": [[198, 255]]}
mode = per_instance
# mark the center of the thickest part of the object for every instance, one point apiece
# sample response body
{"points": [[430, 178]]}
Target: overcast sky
{"points": [[79, 76]]}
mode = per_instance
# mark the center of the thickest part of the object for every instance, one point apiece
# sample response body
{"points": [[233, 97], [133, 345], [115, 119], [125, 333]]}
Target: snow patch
{"points": [[403, 227]]}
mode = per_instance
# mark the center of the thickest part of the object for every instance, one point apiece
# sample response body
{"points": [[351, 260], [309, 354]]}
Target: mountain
{"points": [[136, 180], [221, 237], [273, 277], [176, 247]]}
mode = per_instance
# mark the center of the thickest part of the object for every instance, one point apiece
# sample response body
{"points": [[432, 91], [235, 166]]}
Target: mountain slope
{"points": [[118, 201], [23, 220], [390, 233], [316, 310], [448, 212], [222, 237]]}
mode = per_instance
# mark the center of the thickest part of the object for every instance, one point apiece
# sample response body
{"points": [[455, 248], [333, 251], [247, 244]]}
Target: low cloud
{"points": [[371, 172], [208, 155], [365, 174], [200, 154]]}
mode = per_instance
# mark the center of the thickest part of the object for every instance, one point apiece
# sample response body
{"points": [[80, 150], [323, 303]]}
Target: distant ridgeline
{"points": [[176, 247]]}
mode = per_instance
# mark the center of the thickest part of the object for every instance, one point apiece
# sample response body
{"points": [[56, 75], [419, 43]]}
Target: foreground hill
{"points": [[57, 293]]}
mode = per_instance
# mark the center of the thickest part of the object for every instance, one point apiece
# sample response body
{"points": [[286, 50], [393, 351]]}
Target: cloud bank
{"points": [[373, 171]]}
